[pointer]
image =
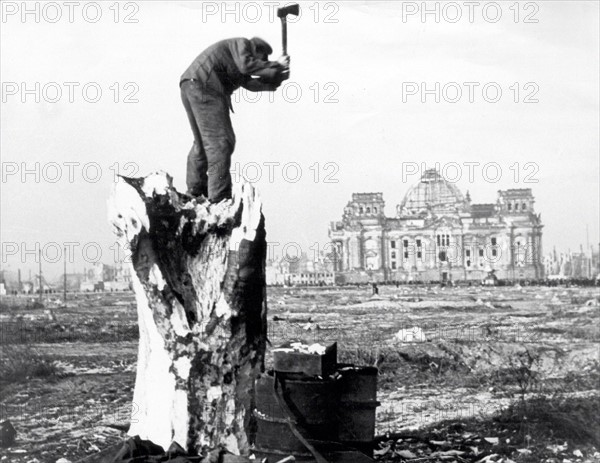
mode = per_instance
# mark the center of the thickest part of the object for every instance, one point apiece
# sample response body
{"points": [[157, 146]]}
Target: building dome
{"points": [[433, 193]]}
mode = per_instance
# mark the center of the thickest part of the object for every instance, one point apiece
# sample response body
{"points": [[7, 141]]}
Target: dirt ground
{"points": [[468, 356]]}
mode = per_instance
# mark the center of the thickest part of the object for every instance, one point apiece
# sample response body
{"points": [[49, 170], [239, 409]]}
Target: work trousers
{"points": [[209, 160]]}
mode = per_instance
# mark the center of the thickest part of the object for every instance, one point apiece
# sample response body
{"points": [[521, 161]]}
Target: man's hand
{"points": [[284, 60]]}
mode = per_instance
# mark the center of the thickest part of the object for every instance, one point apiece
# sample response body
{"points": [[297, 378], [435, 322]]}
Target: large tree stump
{"points": [[198, 276]]}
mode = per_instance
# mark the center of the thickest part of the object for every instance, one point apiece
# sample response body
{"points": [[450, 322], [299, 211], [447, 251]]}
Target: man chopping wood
{"points": [[206, 88]]}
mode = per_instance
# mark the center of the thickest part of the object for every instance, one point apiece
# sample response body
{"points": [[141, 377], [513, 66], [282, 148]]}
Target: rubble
{"points": [[414, 334], [457, 373], [7, 434]]}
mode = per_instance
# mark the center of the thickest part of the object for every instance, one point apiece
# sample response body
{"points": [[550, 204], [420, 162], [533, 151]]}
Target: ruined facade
{"points": [[583, 264], [438, 235], [300, 271], [103, 277]]}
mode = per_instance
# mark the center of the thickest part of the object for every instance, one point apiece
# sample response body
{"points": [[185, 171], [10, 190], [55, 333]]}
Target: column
{"points": [[383, 258]]}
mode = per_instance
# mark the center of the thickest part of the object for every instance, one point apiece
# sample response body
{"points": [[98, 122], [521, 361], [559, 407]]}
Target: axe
{"points": [[282, 14]]}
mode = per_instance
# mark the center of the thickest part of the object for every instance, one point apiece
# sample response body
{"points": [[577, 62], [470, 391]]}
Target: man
{"points": [[206, 88]]}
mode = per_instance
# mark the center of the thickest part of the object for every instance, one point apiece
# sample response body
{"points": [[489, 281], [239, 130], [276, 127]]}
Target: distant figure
{"points": [[206, 88], [375, 289]]}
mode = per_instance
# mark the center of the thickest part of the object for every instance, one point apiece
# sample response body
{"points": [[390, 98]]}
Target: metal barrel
{"points": [[358, 401], [314, 406]]}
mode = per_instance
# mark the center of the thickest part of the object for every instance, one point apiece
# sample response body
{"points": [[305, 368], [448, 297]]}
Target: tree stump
{"points": [[198, 274]]}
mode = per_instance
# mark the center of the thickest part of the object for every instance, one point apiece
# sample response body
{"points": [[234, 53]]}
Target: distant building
{"points": [[27, 287], [74, 281], [276, 271], [33, 287], [301, 271], [572, 265], [12, 281], [310, 279], [438, 235], [103, 277]]}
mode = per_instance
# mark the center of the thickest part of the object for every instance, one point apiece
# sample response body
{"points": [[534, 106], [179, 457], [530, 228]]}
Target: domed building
{"points": [[438, 235], [434, 194]]}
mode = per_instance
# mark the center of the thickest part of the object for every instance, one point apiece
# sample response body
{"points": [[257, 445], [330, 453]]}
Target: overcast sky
{"points": [[351, 118]]}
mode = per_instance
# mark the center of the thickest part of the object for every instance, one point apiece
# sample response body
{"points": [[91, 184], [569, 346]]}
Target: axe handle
{"points": [[284, 35]]}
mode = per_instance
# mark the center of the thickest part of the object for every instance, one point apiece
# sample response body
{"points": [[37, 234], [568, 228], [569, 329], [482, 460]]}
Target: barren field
{"points": [[479, 374]]}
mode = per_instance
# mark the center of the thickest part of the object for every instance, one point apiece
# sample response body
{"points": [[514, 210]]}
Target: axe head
{"points": [[290, 9]]}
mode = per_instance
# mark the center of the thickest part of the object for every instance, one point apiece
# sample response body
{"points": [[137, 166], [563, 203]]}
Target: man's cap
{"points": [[260, 44]]}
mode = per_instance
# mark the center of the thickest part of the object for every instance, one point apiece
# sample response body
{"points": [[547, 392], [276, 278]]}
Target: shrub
{"points": [[20, 362]]}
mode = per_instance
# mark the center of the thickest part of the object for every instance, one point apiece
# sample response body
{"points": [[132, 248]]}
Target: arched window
{"points": [[360, 210], [368, 210], [520, 251], [523, 206]]}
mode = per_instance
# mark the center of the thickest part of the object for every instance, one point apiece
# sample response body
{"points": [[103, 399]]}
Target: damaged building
{"points": [[438, 235]]}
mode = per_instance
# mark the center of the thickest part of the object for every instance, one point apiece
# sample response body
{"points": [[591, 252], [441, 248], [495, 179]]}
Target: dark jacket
{"points": [[228, 65]]}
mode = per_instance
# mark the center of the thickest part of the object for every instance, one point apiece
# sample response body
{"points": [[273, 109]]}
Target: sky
{"points": [[496, 94]]}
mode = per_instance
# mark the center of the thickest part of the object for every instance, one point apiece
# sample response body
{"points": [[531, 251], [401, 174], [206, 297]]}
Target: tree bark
{"points": [[199, 278]]}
